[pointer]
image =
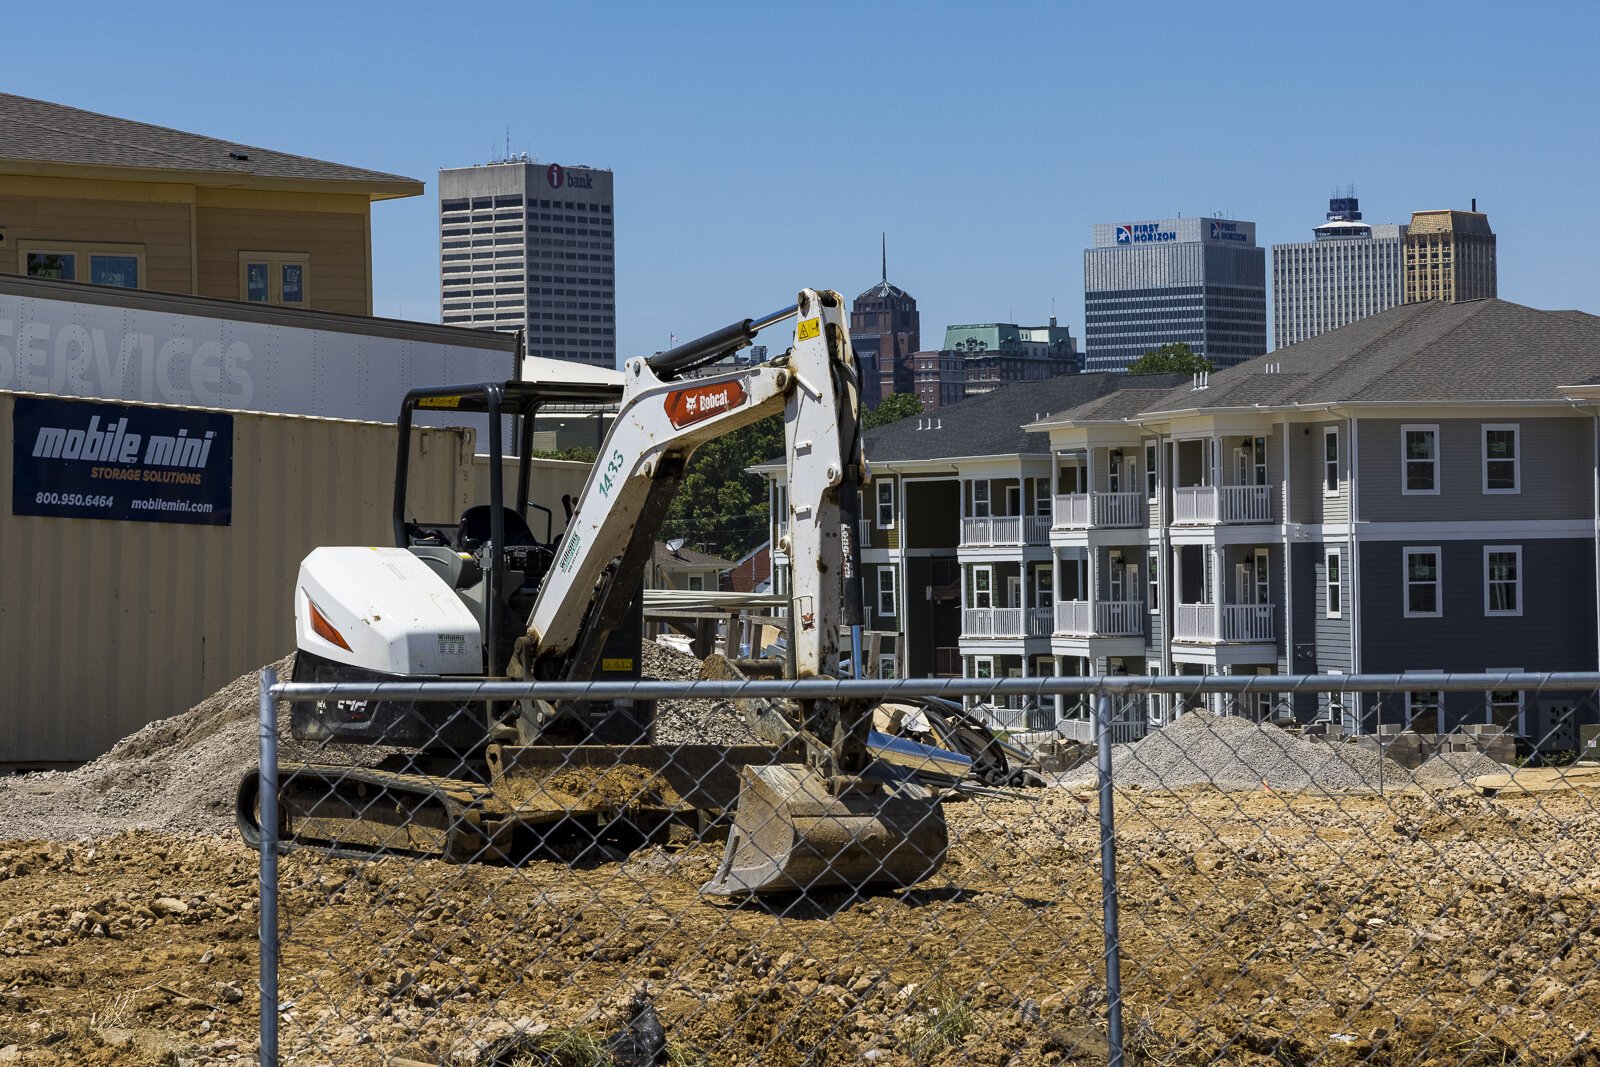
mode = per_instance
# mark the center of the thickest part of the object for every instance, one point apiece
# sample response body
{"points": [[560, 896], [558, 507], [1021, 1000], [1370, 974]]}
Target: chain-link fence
{"points": [[1163, 870]]}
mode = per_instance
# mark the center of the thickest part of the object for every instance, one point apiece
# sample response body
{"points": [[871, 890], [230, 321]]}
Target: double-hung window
{"points": [[886, 505], [1502, 580], [1422, 588], [886, 591], [118, 265], [1150, 472], [1419, 460], [1330, 460], [1333, 579], [1501, 459]]}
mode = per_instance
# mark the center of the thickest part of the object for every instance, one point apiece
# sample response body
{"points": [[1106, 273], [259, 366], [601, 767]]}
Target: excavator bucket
{"points": [[791, 834]]}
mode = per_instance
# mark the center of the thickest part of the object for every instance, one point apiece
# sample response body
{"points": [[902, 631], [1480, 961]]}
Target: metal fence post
{"points": [[268, 802], [1108, 882]]}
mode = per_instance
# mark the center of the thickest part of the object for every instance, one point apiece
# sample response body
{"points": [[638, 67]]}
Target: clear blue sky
{"points": [[761, 147]]}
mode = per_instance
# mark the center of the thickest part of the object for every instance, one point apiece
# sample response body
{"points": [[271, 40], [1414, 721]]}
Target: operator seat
{"points": [[474, 528]]}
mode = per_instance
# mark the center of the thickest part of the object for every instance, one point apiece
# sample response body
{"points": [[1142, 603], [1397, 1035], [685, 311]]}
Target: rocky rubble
{"points": [[699, 722], [1229, 752]]}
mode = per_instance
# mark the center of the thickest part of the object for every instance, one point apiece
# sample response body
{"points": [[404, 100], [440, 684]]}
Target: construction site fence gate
{"points": [[1327, 869]]}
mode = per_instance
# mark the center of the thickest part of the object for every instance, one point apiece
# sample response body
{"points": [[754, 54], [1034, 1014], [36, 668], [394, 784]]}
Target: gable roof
{"points": [[666, 559], [993, 424], [40, 137], [1476, 351]]}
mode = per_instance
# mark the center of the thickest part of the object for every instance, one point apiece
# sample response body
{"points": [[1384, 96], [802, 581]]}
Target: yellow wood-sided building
{"points": [[92, 198]]}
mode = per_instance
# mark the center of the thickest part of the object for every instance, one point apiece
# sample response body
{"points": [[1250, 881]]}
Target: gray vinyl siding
{"points": [[1555, 632], [1332, 636], [1310, 503], [1556, 461]]}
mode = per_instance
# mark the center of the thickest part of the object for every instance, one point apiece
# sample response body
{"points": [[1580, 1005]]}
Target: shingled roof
{"points": [[992, 424], [1476, 351], [37, 136]]}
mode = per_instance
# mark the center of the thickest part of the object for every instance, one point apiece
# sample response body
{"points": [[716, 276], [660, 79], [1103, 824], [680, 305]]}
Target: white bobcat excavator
{"points": [[481, 779]]}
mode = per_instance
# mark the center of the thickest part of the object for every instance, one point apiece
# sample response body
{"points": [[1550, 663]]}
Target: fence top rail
{"points": [[1182, 685]]}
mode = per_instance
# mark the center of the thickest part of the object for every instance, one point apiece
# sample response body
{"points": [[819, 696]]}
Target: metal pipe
{"points": [[716, 343], [1108, 882], [814, 688], [267, 801]]}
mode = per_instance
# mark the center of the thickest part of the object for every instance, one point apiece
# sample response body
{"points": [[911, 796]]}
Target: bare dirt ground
{"points": [[1258, 927], [1265, 923]]}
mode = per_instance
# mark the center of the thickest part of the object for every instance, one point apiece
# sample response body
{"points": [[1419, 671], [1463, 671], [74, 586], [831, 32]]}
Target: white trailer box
{"points": [[66, 339]]}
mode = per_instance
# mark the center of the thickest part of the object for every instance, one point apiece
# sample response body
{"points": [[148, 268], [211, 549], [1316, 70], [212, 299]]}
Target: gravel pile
{"points": [[176, 774], [1449, 769], [1234, 753], [701, 722]]}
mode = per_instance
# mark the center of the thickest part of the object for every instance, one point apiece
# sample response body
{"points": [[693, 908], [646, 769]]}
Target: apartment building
{"points": [[1412, 492], [100, 200], [955, 531]]}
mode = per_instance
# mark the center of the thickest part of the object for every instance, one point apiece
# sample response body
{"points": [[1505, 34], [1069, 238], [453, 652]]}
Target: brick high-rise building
{"points": [[1450, 256], [885, 331]]}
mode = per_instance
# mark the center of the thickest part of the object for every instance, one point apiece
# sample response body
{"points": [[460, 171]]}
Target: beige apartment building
{"points": [[1450, 256], [95, 199]]}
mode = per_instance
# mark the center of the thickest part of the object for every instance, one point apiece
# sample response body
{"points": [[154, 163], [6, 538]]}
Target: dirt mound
{"points": [[176, 774]]}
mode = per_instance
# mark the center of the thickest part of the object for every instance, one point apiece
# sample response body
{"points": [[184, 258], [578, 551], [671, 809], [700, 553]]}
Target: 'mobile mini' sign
{"points": [[80, 460]]}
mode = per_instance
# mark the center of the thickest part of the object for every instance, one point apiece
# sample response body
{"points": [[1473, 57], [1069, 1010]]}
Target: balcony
{"points": [[1005, 530], [1081, 511], [1204, 505], [1005, 622], [1103, 618], [1238, 623]]}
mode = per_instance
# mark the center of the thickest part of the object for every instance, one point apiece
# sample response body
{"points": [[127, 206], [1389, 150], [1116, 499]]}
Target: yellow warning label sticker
{"points": [[616, 663], [809, 328], [439, 402]]}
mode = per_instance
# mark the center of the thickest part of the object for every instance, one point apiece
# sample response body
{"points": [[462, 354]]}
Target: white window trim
{"points": [[1517, 549], [1151, 473], [1438, 707], [1438, 459], [1152, 581], [889, 588], [988, 569], [888, 484], [1522, 698], [1333, 432], [986, 661], [886, 659], [1329, 585], [1516, 457], [275, 262], [82, 257], [1438, 581], [988, 503]]}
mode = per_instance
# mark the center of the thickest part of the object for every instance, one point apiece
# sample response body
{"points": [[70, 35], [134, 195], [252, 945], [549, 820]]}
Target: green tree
{"points": [[719, 507], [1169, 358], [892, 408]]}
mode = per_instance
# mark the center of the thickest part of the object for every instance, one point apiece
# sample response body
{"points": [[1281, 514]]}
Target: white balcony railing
{"points": [[1105, 618], [1083, 510], [1204, 504], [1235, 622], [1036, 529], [1039, 622], [991, 622], [1118, 618], [1072, 618], [864, 532], [992, 530]]}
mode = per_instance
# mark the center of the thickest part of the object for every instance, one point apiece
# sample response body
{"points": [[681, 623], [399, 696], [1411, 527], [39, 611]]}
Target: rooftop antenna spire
{"points": [[884, 237], [508, 140]]}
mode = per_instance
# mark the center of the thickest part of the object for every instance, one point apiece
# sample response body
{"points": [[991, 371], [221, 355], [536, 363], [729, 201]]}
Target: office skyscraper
{"points": [[530, 246], [1199, 280], [1450, 255], [1349, 270]]}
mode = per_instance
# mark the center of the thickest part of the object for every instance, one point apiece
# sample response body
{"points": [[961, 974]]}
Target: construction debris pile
{"points": [[699, 722], [1233, 753]]}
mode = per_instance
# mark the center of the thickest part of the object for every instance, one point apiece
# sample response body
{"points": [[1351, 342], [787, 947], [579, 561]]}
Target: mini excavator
{"points": [[487, 598]]}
